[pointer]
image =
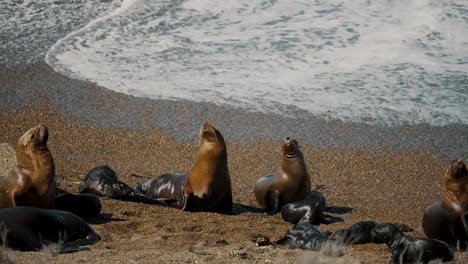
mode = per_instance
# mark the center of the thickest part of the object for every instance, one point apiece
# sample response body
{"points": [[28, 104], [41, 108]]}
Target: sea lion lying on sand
{"points": [[407, 249], [30, 229], [310, 209]]}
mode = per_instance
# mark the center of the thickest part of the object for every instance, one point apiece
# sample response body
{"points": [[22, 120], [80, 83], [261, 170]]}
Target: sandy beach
{"points": [[387, 174]]}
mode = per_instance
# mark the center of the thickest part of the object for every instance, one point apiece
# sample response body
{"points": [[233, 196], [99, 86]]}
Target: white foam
{"points": [[386, 62]]}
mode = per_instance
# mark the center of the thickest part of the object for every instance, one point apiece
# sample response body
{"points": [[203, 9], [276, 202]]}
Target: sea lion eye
{"points": [[32, 136]]}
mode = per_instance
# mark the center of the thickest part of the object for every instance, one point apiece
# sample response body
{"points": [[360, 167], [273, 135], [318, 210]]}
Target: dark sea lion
{"points": [[207, 187], [83, 205], [305, 235], [30, 229], [290, 184], [359, 233], [102, 181], [407, 249], [32, 182], [442, 220], [310, 209]]}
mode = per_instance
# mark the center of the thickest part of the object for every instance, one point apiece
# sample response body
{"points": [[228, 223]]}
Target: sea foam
{"points": [[379, 62]]}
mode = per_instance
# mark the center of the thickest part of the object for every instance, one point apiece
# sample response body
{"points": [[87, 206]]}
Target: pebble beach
{"points": [[387, 174]]}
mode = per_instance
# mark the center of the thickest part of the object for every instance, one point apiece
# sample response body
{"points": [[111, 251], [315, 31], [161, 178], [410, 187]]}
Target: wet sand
{"points": [[382, 173]]}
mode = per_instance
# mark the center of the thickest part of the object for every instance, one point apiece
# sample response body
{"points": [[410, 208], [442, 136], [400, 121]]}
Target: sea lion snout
{"points": [[43, 133], [460, 169]]}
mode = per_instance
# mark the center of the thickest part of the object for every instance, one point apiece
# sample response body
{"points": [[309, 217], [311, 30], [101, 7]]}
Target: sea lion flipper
{"points": [[145, 198], [272, 200]]}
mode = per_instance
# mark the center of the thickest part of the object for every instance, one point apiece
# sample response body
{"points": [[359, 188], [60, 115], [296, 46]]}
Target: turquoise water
{"points": [[377, 62]]}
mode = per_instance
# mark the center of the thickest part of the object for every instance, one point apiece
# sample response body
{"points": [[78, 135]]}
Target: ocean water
{"points": [[387, 62]]}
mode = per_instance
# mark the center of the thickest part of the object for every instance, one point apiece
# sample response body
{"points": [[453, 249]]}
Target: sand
{"points": [[385, 174]]}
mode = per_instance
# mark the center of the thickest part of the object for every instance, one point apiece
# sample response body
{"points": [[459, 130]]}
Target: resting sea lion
{"points": [[359, 233], [102, 181], [83, 205], [291, 183], [310, 209], [32, 182], [407, 249], [306, 236], [207, 187], [442, 220], [29, 229]]}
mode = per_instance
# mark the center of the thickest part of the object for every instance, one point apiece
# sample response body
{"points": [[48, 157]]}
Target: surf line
{"points": [[125, 4]]}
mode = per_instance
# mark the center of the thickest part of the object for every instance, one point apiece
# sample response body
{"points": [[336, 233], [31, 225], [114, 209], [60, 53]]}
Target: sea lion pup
{"points": [[207, 187], [442, 220], [29, 228], [32, 182], [407, 249], [310, 209], [359, 233], [306, 236], [291, 183], [83, 205], [102, 181]]}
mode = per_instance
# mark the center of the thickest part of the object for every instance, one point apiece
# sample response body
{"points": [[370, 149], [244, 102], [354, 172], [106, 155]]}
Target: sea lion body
{"points": [[305, 235], [290, 184], [443, 220], [168, 186], [30, 229], [32, 182], [410, 249], [359, 233], [102, 181], [207, 187], [83, 205], [310, 209]]}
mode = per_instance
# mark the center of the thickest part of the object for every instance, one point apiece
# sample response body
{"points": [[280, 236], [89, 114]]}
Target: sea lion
{"points": [[359, 233], [310, 209], [83, 205], [102, 181], [407, 249], [207, 187], [32, 182], [305, 235], [291, 183], [442, 220], [30, 229]]}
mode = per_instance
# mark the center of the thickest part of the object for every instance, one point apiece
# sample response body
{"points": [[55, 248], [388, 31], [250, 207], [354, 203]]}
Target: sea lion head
{"points": [[456, 186], [33, 141], [456, 170], [384, 233], [211, 138], [291, 148]]}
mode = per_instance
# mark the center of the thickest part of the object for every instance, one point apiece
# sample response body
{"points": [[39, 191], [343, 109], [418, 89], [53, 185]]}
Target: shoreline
{"points": [[38, 85]]}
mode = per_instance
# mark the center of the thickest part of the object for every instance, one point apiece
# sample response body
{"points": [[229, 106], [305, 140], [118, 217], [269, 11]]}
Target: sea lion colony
{"points": [[29, 193]]}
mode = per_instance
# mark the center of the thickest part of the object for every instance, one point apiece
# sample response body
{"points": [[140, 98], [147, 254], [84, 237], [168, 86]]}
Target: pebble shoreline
{"points": [[384, 174]]}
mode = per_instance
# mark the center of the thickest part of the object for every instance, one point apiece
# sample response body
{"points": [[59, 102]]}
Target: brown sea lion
{"points": [[207, 187], [290, 184], [29, 229], [32, 182], [442, 220]]}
